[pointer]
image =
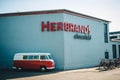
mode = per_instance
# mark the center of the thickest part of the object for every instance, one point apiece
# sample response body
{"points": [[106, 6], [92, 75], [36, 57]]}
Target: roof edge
{"points": [[114, 32], [84, 15], [53, 12]]}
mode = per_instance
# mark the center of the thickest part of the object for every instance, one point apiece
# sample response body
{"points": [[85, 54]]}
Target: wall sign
{"points": [[68, 27], [82, 36]]}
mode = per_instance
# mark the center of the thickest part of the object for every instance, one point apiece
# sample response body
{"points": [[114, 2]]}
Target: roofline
{"points": [[32, 53], [84, 16], [115, 32], [52, 12]]}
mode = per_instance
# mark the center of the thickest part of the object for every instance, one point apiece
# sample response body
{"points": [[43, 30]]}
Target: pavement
{"points": [[79, 74]]}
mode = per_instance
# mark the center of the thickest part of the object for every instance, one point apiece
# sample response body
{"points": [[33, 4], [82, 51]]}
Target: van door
{"points": [[43, 59], [30, 63]]}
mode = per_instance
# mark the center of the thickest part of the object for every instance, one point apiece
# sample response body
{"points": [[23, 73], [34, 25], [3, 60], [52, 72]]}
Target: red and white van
{"points": [[40, 61]]}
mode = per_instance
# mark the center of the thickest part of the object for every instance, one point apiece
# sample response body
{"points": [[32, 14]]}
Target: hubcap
{"points": [[43, 68]]}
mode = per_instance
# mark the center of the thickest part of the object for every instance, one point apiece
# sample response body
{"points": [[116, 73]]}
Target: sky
{"points": [[103, 9]]}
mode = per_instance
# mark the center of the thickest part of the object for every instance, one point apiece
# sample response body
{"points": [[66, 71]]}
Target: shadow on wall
{"points": [[13, 74], [6, 60]]}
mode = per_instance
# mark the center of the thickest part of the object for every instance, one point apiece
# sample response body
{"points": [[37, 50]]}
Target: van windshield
{"points": [[49, 57]]}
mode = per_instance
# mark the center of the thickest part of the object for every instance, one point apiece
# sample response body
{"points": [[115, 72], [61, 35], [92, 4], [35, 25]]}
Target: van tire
{"points": [[18, 68], [43, 68]]}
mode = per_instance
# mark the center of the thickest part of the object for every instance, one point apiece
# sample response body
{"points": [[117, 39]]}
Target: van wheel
{"points": [[43, 68], [18, 68]]}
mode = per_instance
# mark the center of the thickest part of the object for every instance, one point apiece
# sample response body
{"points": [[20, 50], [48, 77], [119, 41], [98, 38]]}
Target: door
{"points": [[106, 55], [119, 50], [114, 51]]}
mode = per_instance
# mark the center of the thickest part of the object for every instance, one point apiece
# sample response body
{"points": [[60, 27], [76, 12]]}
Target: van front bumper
{"points": [[50, 67]]}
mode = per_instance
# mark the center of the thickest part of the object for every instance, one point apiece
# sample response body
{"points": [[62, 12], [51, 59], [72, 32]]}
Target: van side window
{"points": [[36, 57], [43, 57], [25, 57], [30, 57]]}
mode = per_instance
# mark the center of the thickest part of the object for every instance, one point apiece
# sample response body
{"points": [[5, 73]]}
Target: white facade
{"points": [[84, 53], [22, 32]]}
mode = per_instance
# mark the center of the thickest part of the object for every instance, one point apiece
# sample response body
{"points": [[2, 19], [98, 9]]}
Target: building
{"points": [[75, 40], [115, 43], [115, 36]]}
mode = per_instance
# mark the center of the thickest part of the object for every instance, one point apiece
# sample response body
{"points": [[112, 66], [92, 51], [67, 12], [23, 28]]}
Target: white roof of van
{"points": [[32, 54]]}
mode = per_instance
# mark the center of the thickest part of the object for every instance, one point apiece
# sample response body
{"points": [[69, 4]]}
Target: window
{"points": [[119, 50], [25, 57], [106, 55], [30, 57], [105, 33], [43, 57], [49, 57], [36, 57], [113, 37], [114, 51]]}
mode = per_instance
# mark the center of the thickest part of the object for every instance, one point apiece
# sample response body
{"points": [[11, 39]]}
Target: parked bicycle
{"points": [[107, 64]]}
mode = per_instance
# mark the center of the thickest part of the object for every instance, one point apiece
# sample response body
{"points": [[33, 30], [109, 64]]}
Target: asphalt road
{"points": [[79, 74]]}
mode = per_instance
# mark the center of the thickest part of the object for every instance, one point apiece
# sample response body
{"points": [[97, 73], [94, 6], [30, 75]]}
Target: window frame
{"points": [[36, 58], [105, 33], [25, 56], [45, 57]]}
